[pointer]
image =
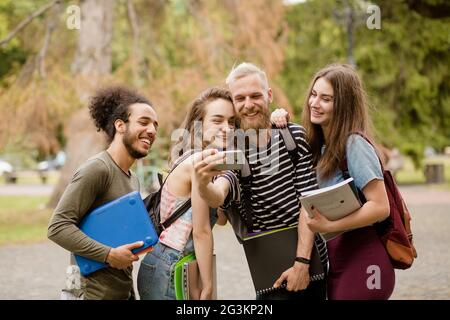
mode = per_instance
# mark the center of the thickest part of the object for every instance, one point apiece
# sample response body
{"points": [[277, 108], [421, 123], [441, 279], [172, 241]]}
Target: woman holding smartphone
{"points": [[208, 125]]}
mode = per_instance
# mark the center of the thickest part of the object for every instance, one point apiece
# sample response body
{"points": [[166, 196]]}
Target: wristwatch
{"points": [[302, 260]]}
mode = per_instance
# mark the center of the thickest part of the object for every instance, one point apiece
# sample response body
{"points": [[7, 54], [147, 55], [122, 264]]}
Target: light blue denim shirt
{"points": [[362, 161]]}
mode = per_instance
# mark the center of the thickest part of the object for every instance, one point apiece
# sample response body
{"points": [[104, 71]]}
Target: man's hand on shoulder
{"points": [[280, 118]]}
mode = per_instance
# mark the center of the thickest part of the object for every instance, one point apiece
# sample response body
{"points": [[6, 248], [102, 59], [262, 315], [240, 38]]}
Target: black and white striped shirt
{"points": [[275, 185]]}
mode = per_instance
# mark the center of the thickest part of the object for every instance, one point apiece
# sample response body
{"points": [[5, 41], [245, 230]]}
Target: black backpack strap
{"points": [[344, 168], [185, 206], [290, 143], [178, 213], [246, 172], [160, 179], [246, 184], [292, 148]]}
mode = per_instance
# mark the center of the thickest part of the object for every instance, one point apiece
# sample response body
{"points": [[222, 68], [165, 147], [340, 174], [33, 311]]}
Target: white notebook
{"points": [[334, 202]]}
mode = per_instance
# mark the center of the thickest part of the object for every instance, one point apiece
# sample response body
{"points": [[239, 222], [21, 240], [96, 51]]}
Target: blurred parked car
{"points": [[52, 164], [7, 171]]}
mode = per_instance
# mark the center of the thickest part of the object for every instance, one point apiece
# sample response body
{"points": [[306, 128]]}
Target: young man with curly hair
{"points": [[130, 123]]}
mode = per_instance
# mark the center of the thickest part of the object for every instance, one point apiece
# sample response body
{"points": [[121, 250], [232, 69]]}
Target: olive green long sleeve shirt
{"points": [[97, 181]]}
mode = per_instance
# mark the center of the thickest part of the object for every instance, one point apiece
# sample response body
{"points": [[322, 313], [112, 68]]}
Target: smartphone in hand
{"points": [[234, 160]]}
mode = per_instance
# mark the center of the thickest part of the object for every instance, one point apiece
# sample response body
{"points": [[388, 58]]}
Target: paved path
{"points": [[36, 271], [25, 190]]}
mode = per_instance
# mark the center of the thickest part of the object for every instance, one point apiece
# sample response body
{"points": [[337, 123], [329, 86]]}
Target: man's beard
{"points": [[263, 121], [128, 140]]}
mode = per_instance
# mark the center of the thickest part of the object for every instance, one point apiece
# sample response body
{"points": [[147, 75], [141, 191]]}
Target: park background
{"points": [[55, 54]]}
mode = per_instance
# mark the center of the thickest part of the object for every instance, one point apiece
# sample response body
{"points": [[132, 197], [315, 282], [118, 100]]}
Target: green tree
{"points": [[404, 65]]}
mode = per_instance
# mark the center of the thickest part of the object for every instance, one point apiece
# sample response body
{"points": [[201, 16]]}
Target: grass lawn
{"points": [[23, 219]]}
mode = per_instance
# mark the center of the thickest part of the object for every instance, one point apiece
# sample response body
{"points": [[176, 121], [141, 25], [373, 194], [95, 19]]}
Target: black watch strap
{"points": [[302, 260]]}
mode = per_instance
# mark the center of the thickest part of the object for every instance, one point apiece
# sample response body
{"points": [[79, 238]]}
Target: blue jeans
{"points": [[155, 277]]}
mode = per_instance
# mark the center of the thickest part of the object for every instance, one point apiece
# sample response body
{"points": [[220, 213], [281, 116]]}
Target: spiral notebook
{"points": [[271, 253]]}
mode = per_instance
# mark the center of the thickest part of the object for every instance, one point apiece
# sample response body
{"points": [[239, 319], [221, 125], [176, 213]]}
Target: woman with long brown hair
{"points": [[336, 120], [335, 116], [208, 124]]}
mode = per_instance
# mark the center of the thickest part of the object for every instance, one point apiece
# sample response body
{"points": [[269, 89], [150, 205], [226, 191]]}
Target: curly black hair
{"points": [[110, 104]]}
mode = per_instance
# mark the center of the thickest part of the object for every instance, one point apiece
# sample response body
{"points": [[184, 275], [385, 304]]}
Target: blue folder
{"points": [[118, 222]]}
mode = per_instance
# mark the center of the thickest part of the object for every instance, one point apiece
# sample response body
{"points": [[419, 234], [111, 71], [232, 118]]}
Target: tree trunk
{"points": [[136, 56], [93, 57], [92, 61]]}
